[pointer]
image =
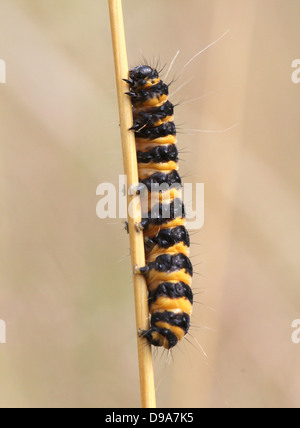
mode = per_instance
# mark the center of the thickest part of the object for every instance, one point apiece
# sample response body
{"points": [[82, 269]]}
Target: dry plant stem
{"points": [[131, 170]]}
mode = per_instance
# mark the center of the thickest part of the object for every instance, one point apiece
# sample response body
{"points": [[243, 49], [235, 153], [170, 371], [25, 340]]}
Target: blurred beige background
{"points": [[66, 293]]}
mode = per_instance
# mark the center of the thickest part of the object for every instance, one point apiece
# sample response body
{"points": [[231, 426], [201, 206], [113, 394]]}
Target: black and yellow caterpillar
{"points": [[169, 270]]}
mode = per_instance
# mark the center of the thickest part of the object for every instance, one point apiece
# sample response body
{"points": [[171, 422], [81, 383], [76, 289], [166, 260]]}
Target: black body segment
{"points": [[159, 154], [166, 238]]}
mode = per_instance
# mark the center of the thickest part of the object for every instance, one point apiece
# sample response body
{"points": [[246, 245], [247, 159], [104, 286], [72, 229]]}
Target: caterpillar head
{"points": [[142, 75]]}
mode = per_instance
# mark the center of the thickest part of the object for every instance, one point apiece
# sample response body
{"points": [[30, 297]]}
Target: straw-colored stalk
{"points": [[131, 170]]}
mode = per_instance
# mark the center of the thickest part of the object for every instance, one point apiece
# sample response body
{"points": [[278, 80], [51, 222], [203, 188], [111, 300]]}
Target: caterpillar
{"points": [[168, 269]]}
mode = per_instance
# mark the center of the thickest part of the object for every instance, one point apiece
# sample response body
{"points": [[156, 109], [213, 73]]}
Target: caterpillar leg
{"points": [[141, 270], [136, 189], [139, 227], [129, 81], [126, 227]]}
